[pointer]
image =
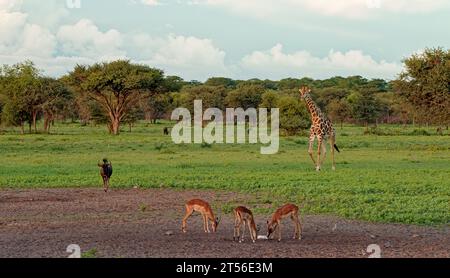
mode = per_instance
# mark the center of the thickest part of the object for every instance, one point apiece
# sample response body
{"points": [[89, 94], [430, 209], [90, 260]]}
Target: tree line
{"points": [[121, 93]]}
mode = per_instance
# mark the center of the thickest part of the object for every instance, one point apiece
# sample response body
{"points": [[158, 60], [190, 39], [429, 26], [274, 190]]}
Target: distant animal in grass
{"points": [[205, 210], [274, 224], [244, 217], [106, 171]]}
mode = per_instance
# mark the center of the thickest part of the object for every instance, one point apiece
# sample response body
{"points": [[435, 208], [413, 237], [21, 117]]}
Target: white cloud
{"points": [[190, 57], [150, 2], [19, 37], [277, 64], [86, 40], [9, 5], [350, 9]]}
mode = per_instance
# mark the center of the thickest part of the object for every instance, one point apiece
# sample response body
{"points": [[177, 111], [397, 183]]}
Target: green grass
{"points": [[398, 177], [91, 254]]}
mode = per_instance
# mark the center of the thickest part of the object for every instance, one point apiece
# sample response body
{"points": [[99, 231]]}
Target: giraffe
{"points": [[322, 128]]}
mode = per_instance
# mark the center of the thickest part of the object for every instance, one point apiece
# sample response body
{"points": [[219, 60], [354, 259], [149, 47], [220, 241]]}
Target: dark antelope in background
{"points": [[106, 171]]}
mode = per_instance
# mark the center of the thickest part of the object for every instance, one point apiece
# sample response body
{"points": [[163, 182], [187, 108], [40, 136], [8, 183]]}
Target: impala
{"points": [[288, 210], [205, 210], [244, 216]]}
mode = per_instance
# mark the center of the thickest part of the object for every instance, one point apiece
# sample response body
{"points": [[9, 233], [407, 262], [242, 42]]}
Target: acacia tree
{"points": [[425, 84], [117, 86]]}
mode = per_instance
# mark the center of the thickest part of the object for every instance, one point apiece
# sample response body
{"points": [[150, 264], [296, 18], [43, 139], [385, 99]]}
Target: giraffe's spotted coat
{"points": [[322, 129]]}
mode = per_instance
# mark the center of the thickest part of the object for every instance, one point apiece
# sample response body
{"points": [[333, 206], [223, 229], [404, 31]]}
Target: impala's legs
{"points": [[298, 227], [205, 223], [279, 231], [236, 226], [189, 212], [295, 225], [238, 229], [312, 137], [251, 233], [243, 231]]}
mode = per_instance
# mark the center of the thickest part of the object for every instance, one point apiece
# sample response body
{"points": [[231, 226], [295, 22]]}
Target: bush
{"points": [[420, 132]]}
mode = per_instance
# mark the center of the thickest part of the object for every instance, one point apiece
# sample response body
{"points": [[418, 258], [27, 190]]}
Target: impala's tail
{"points": [[337, 149]]}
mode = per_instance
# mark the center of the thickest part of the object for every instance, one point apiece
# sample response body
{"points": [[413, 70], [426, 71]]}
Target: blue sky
{"points": [[240, 39]]}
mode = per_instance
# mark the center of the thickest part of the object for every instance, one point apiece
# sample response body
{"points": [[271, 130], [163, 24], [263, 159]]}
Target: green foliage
{"points": [[221, 81], [212, 96], [294, 115], [270, 100], [365, 107], [90, 254], [245, 96], [425, 84]]}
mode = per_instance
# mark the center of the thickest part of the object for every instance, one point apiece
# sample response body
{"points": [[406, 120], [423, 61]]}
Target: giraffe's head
{"points": [[305, 91]]}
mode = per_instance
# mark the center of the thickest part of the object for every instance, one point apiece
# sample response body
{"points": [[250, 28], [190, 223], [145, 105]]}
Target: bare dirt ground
{"points": [[136, 223]]}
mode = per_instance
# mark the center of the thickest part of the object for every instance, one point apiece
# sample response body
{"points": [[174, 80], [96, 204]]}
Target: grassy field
{"points": [[399, 177]]}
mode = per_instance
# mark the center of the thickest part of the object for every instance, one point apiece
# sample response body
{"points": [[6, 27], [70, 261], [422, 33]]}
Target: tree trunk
{"points": [[34, 121], [115, 126], [46, 122], [22, 128]]}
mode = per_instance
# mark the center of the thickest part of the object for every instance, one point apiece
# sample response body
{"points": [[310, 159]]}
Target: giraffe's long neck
{"points": [[312, 107]]}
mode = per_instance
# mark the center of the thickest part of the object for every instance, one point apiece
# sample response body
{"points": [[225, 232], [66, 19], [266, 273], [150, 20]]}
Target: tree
{"points": [[212, 97], [117, 86], [157, 107], [365, 108], [245, 96], [425, 84], [174, 83], [339, 111], [221, 81], [133, 116], [294, 115], [270, 100], [56, 99], [24, 92]]}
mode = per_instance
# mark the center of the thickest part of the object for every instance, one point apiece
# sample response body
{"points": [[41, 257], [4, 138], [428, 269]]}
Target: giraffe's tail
{"points": [[337, 149]]}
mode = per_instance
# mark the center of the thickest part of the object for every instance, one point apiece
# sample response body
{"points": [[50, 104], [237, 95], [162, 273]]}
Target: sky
{"points": [[240, 39]]}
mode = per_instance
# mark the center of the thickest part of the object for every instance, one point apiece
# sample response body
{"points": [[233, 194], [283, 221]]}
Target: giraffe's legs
{"points": [[319, 150], [312, 137], [332, 143], [324, 150]]}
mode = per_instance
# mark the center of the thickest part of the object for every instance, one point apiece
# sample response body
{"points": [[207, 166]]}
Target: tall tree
{"points": [[365, 108], [425, 84], [25, 93], [245, 96], [57, 99], [339, 111], [117, 86], [294, 115]]}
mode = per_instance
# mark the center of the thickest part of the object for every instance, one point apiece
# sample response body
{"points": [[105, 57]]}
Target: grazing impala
{"points": [[288, 210], [205, 210], [244, 216]]}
